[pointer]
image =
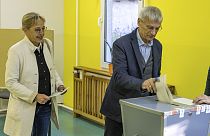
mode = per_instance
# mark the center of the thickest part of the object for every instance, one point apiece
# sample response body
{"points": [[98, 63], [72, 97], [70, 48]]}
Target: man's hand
{"points": [[203, 99], [42, 98], [149, 85]]}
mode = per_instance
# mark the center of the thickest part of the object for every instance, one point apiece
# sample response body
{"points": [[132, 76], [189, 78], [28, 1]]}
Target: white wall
{"points": [[11, 12]]}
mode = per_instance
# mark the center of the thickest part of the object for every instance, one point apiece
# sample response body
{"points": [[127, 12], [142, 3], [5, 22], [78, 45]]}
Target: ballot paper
{"points": [[164, 94], [58, 93]]}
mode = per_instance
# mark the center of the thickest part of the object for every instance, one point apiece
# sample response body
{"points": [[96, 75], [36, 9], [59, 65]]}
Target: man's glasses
{"points": [[151, 28], [39, 30]]}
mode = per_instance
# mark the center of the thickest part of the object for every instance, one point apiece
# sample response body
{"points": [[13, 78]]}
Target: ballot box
{"points": [[145, 116]]}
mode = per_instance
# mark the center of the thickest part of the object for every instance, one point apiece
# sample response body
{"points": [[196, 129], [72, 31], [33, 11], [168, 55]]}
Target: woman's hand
{"points": [[203, 99], [42, 98], [61, 88]]}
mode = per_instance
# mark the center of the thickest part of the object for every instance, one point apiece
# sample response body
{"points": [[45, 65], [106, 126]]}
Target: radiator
{"points": [[89, 89]]}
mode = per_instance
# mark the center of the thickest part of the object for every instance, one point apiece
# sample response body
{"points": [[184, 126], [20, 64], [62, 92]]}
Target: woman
{"points": [[31, 78]]}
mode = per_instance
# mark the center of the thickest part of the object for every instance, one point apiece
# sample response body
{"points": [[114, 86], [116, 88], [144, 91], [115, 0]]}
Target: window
{"points": [[119, 18]]}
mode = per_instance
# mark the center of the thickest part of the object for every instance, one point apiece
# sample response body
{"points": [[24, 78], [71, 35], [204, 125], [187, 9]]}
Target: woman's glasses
{"points": [[39, 30]]}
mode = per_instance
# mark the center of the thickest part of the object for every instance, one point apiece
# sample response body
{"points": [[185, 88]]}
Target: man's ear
{"points": [[138, 21], [24, 29]]}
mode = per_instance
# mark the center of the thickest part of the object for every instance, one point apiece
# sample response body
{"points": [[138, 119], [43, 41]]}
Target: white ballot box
{"points": [[145, 116]]}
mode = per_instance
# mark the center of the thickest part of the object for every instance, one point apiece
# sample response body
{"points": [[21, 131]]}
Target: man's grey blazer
{"points": [[126, 80]]}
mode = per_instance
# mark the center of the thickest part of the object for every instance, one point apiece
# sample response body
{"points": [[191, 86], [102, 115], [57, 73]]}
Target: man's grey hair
{"points": [[151, 13], [30, 19]]}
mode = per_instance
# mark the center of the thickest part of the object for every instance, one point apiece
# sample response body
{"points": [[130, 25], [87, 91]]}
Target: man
{"points": [[31, 78], [204, 99], [136, 64]]}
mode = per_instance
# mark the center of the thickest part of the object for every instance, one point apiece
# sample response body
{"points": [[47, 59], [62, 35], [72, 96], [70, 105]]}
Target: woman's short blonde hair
{"points": [[30, 19]]}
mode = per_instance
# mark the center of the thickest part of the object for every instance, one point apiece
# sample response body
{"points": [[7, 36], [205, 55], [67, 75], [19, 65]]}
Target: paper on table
{"points": [[183, 101], [58, 93]]}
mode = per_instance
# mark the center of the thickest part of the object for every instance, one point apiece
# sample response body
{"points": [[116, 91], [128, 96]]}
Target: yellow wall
{"points": [[88, 40], [186, 44], [69, 48], [89, 33]]}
